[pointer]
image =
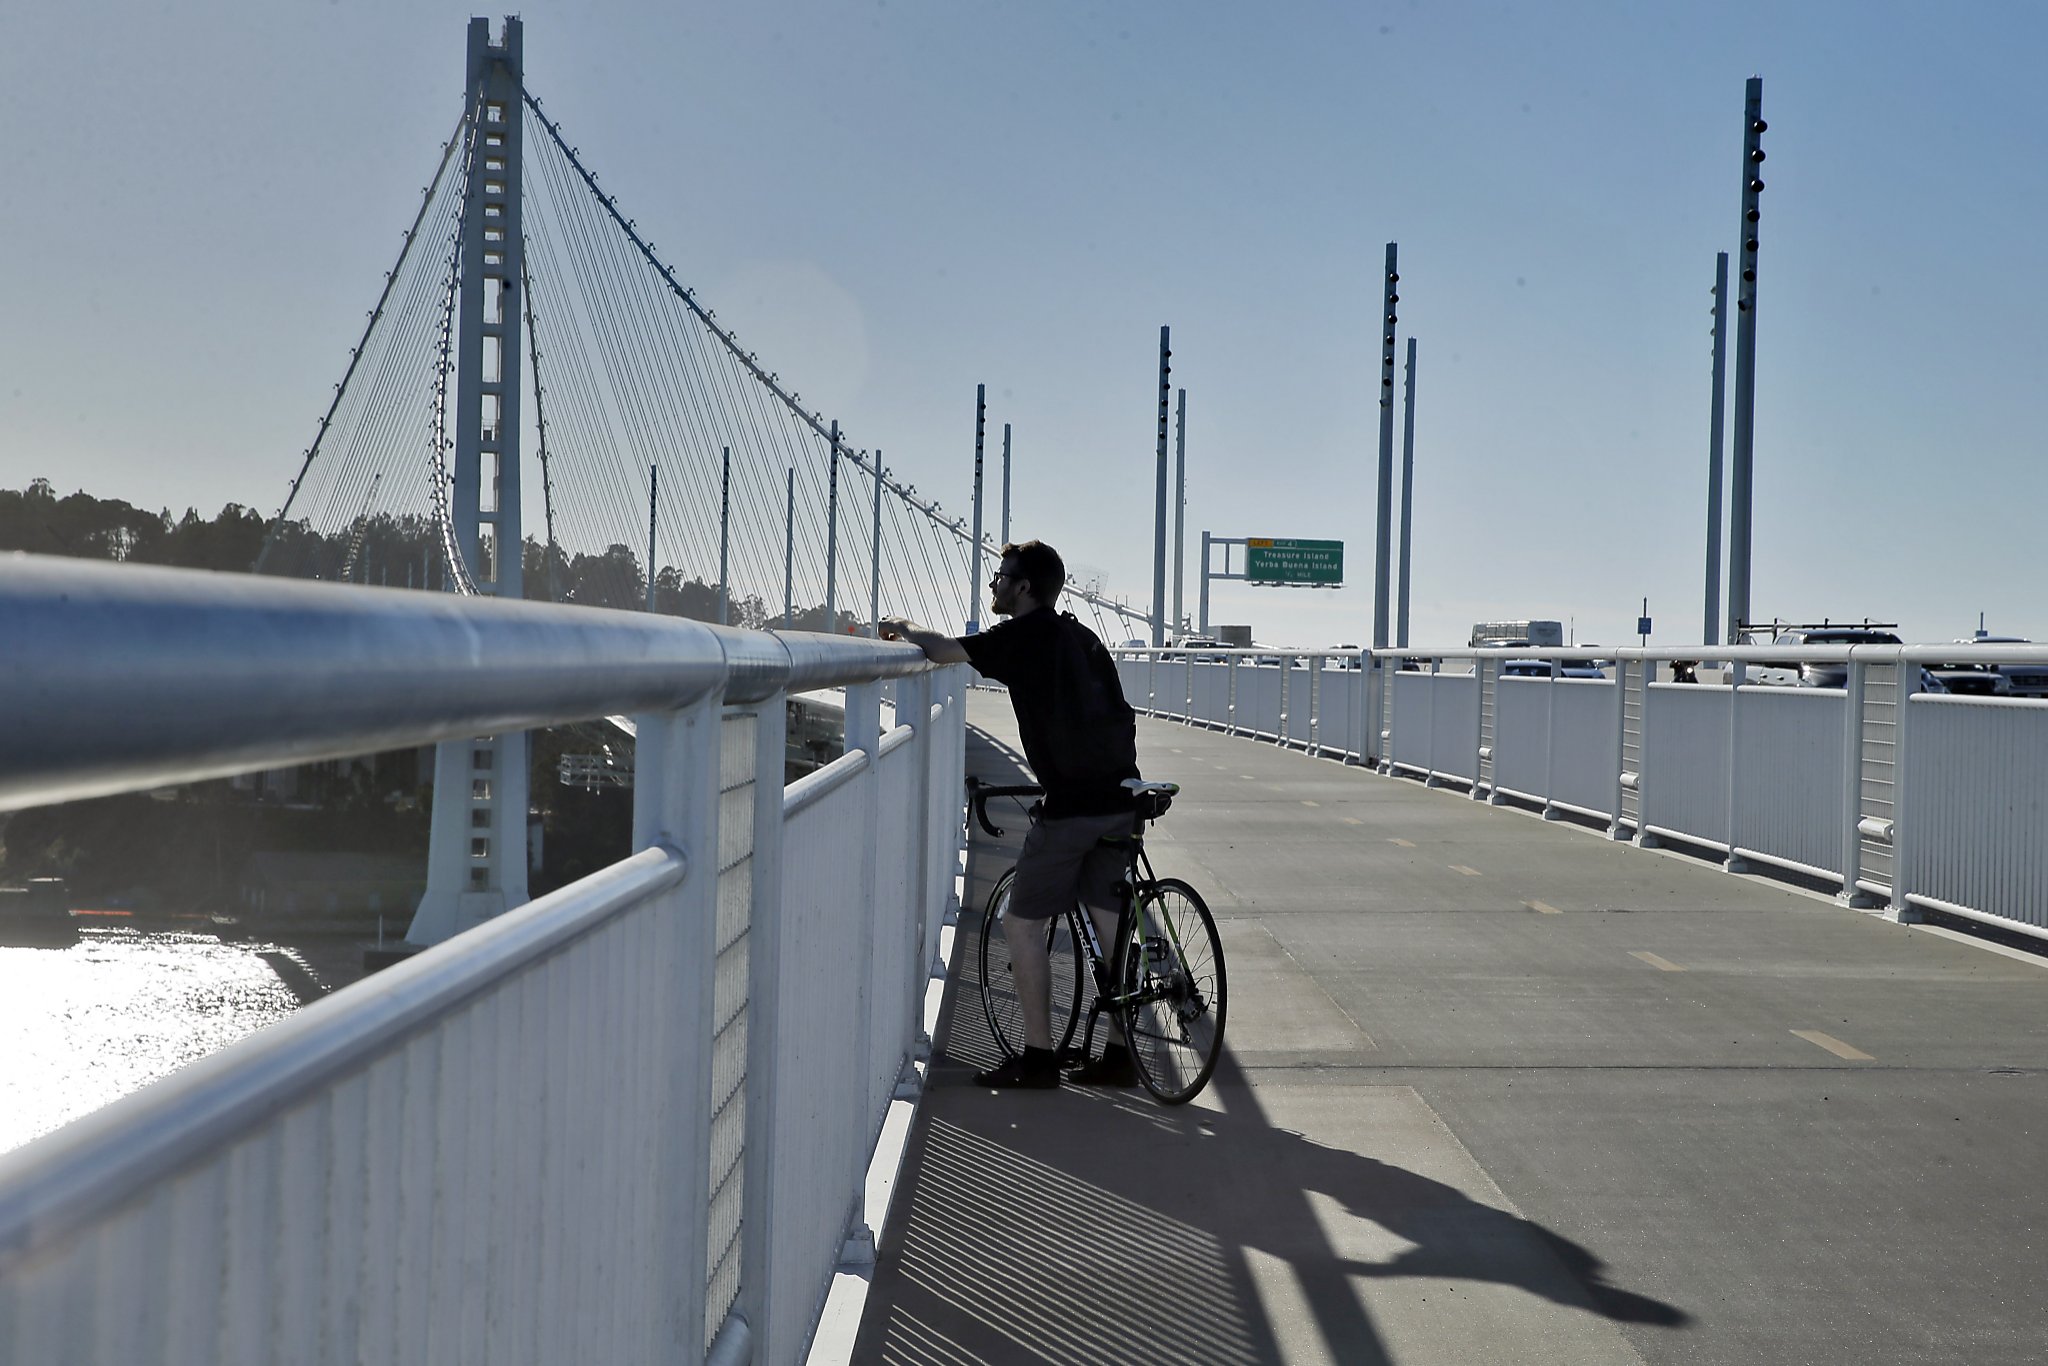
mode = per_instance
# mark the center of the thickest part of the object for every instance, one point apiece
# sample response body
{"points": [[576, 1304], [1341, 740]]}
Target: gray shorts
{"points": [[1064, 860]]}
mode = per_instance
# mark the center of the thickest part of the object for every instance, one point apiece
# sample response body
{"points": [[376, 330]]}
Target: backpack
{"points": [[1093, 733]]}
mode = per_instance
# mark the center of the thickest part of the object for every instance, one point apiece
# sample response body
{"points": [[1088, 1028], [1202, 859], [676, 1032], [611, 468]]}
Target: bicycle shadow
{"points": [[1084, 1227]]}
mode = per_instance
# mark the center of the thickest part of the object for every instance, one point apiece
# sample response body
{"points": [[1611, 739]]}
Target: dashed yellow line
{"points": [[1544, 906], [1834, 1045], [1657, 961], [1468, 872], [1405, 844], [1351, 820], [1306, 802]]}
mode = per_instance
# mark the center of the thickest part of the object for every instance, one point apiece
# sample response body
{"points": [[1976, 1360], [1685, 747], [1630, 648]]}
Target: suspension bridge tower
{"points": [[477, 858]]}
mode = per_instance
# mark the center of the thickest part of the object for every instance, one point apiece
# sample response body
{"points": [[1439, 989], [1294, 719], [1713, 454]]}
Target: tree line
{"points": [[391, 550]]}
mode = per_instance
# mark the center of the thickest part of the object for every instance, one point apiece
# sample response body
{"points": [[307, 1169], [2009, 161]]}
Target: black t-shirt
{"points": [[1019, 653]]}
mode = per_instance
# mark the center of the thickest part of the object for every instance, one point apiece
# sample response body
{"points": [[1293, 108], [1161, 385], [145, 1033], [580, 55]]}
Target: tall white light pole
{"points": [[1407, 495], [1383, 546], [974, 548], [1712, 633], [1159, 502], [1180, 509], [1740, 482]]}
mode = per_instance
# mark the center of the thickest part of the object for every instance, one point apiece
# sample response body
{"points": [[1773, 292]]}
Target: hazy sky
{"points": [[894, 201]]}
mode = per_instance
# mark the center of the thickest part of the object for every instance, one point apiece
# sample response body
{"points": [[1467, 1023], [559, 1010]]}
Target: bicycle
{"points": [[1165, 981]]}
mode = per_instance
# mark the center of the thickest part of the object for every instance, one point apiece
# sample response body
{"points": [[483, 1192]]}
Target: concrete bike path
{"points": [[1496, 1090]]}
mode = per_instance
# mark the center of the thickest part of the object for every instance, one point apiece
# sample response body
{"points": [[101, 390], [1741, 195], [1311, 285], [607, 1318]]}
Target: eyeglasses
{"points": [[1000, 575]]}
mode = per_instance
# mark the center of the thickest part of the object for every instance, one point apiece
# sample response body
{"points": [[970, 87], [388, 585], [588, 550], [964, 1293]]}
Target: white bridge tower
{"points": [[477, 859]]}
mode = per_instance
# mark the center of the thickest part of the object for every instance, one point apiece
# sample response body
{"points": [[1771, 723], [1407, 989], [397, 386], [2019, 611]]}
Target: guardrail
{"points": [[629, 1121], [1903, 797]]}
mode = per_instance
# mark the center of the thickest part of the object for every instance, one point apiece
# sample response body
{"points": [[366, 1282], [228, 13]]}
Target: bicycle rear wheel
{"points": [[999, 985], [1175, 995]]}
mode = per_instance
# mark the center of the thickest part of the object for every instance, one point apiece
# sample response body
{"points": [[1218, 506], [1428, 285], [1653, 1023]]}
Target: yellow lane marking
{"points": [[1405, 844], [1249, 777], [1352, 820], [1306, 802], [1468, 872], [1656, 961], [1543, 906], [1833, 1045]]}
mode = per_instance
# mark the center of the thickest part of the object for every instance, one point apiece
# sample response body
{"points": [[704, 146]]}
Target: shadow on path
{"points": [[1087, 1227]]}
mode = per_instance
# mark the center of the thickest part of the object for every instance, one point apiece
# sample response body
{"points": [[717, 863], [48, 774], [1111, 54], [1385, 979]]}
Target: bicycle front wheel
{"points": [[1174, 993], [999, 1000]]}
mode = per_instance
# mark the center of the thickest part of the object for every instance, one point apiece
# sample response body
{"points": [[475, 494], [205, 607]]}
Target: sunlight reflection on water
{"points": [[83, 1025]]}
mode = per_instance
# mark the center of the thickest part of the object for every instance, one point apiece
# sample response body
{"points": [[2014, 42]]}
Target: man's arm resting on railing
{"points": [[939, 649]]}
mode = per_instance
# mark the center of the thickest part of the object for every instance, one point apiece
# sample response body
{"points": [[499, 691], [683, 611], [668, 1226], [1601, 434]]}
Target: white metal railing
{"points": [[1914, 798], [629, 1121]]}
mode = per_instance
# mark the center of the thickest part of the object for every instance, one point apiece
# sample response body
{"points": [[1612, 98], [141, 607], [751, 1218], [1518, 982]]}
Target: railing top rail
{"points": [[65, 1179], [124, 677], [1976, 652]]}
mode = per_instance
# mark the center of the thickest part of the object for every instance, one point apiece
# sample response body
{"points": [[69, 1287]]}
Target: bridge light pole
{"points": [[1159, 503], [725, 538], [1712, 633], [1006, 483], [1180, 508], [477, 848], [974, 549], [1383, 546], [832, 539], [1407, 495], [1743, 455]]}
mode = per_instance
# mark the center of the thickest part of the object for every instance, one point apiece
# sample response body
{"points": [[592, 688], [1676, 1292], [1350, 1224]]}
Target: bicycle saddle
{"points": [[1153, 798]]}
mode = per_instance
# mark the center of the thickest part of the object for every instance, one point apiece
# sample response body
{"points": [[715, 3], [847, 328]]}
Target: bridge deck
{"points": [[1497, 1091]]}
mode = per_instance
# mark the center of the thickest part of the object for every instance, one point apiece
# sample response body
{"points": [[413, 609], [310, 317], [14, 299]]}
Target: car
{"points": [[1212, 651], [1540, 668], [2022, 680], [1828, 673], [1135, 645], [1970, 679], [1352, 654]]}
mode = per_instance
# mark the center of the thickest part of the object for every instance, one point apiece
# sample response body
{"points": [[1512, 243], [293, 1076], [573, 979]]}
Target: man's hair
{"points": [[1042, 566]]}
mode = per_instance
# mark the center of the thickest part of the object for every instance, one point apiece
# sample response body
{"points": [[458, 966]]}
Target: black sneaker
{"points": [[1113, 1068], [1037, 1070]]}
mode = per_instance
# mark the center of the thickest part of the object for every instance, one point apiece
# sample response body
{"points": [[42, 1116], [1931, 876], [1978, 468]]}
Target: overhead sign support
{"points": [[1274, 563]]}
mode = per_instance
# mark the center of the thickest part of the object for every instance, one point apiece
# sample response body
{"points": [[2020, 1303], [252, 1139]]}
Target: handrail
{"points": [[141, 676], [67, 1178]]}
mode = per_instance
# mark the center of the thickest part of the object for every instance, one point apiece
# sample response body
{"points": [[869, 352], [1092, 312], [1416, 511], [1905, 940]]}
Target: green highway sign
{"points": [[1312, 563]]}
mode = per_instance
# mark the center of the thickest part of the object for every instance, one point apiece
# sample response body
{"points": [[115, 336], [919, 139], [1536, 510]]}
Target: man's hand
{"points": [[937, 648]]}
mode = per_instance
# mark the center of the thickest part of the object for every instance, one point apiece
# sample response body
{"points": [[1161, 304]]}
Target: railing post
{"points": [[864, 732], [1621, 776], [675, 803], [1480, 751], [759, 1217], [1230, 690], [1738, 671], [1430, 777], [1381, 721], [914, 709], [1644, 839], [1315, 705], [1188, 687], [1854, 688], [1902, 828], [1550, 811]]}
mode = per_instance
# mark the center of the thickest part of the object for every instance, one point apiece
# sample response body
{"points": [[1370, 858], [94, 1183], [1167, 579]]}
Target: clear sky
{"points": [[894, 201]]}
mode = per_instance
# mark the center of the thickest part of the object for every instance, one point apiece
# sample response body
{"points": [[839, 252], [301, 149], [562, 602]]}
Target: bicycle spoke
{"points": [[1175, 996], [999, 1001]]}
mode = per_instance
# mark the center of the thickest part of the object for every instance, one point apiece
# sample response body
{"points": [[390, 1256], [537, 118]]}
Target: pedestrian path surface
{"points": [[1496, 1090]]}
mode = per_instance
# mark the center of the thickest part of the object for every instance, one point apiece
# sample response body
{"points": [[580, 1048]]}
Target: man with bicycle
{"points": [[1080, 738]]}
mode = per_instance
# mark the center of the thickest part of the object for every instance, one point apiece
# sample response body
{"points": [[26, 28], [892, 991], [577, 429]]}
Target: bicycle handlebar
{"points": [[979, 792]]}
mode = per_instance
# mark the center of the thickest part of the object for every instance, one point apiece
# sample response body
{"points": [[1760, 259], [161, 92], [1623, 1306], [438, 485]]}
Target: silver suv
{"points": [[1821, 673]]}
